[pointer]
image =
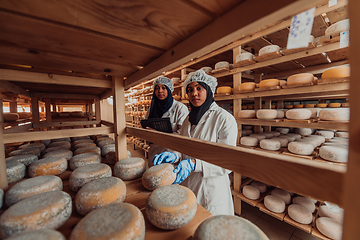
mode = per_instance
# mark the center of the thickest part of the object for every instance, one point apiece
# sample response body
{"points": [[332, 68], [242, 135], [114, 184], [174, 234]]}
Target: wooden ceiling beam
{"points": [[10, 87]]}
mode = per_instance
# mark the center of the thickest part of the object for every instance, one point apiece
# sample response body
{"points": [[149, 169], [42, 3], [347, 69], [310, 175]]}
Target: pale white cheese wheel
{"points": [[283, 141], [257, 136], [84, 159], [259, 185], [282, 130], [267, 134], [307, 140], [295, 135], [300, 214], [339, 140], [300, 78], [335, 114], [305, 202], [326, 134], [43, 234], [275, 133], [329, 227], [319, 139], [284, 195], [289, 138], [266, 114], [270, 144], [334, 153], [249, 141], [338, 216], [246, 114], [268, 49], [342, 134], [274, 203], [304, 131], [244, 56], [251, 192], [298, 114], [280, 113], [222, 64], [301, 148], [341, 26]]}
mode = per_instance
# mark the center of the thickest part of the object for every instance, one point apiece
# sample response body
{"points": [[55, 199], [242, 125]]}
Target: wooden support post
{"points": [[119, 118], [48, 110], [98, 112], [3, 175], [257, 102], [13, 107], [91, 113], [183, 90], [35, 109]]}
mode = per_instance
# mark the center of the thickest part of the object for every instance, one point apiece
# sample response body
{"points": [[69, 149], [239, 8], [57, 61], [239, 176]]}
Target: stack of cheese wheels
{"points": [[158, 176], [249, 141], [304, 131], [248, 86], [298, 114], [223, 90], [337, 72], [335, 114], [114, 221], [99, 193], [266, 114], [300, 78], [64, 139], [268, 49], [274, 203], [130, 168], [31, 187], [26, 151], [327, 134], [228, 227], [301, 148], [334, 153], [306, 202], [329, 227], [84, 159], [24, 159], [337, 215], [107, 148], [62, 144], [335, 28], [283, 130], [207, 69], [87, 173], [171, 207], [270, 144], [244, 56], [48, 166], [9, 117], [300, 214], [261, 186], [269, 83], [40, 146], [222, 64], [42, 234], [251, 192], [92, 149], [15, 171], [246, 114], [47, 210], [284, 195], [67, 154]]}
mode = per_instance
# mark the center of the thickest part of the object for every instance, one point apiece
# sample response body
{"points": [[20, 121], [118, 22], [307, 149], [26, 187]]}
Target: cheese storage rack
{"points": [[333, 183]]}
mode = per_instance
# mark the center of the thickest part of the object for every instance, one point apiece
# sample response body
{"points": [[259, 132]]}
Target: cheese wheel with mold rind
{"points": [[79, 141], [43, 234], [298, 114], [251, 192], [46, 142], [107, 148], [31, 187], [110, 158], [47, 210], [326, 134], [289, 138], [105, 142], [246, 132], [102, 139], [283, 130], [341, 26], [40, 146], [319, 138], [268, 49], [342, 134], [158, 176], [274, 203], [62, 144], [329, 228], [280, 113], [269, 83], [228, 227], [171, 207], [130, 168], [284, 195], [249, 141], [334, 153], [259, 185], [24, 159], [64, 139], [82, 175], [266, 114], [1, 197], [26, 151], [84, 144], [15, 171], [246, 114], [267, 134], [300, 214], [300, 78], [301, 148], [99, 193], [92, 149], [304, 131], [259, 137], [67, 154], [48, 166], [338, 216], [84, 159], [335, 114], [270, 144], [283, 141], [222, 64], [305, 202]]}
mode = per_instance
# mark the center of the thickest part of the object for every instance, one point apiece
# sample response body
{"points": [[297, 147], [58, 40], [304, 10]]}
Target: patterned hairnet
{"points": [[164, 80], [201, 76]]}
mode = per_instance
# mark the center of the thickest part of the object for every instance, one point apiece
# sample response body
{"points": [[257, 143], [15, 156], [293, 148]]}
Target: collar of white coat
{"points": [[212, 108]]}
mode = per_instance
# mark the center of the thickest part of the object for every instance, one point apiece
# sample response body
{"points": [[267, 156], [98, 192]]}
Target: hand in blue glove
{"points": [[183, 170], [167, 157]]}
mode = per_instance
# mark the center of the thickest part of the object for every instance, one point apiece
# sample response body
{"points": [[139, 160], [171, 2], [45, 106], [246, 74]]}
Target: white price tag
{"points": [[300, 29], [344, 39], [333, 207], [332, 3]]}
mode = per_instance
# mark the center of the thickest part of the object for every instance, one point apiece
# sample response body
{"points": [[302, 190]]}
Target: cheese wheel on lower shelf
{"points": [[258, 136], [304, 131], [107, 148], [84, 144], [304, 202], [275, 133], [120, 221], [307, 140], [338, 216], [244, 56], [300, 214], [43, 234], [249, 141], [283, 141], [158, 176], [329, 227], [298, 114], [130, 168], [338, 72], [99, 193], [274, 203], [326, 134], [267, 134], [24, 159], [48, 166], [334, 153], [301, 148], [270, 144], [300, 78], [110, 158], [9, 117], [259, 185], [342, 134], [84, 159], [63, 144], [82, 175], [47, 210], [92, 149], [269, 83], [320, 139], [171, 207], [251, 192], [335, 114], [246, 114], [67, 154], [31, 187], [289, 138], [284, 195], [266, 114], [26, 151], [105, 142], [40, 146], [283, 130], [228, 227], [15, 171]]}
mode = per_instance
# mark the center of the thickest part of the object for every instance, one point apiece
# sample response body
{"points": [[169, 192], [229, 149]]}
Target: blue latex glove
{"points": [[183, 170], [164, 157]]}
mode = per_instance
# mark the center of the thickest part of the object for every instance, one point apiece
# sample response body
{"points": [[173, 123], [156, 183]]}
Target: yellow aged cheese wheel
{"points": [[334, 105], [269, 83], [345, 104], [309, 105], [289, 106], [321, 105], [130, 168], [298, 106], [301, 78], [337, 72], [225, 89], [283, 82], [249, 86]]}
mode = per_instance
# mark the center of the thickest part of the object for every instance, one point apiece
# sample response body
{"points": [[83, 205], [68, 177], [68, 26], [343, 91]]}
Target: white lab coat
{"points": [[209, 182], [177, 114]]}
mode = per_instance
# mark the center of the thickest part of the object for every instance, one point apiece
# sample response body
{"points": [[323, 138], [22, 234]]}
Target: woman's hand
{"points": [[183, 170], [167, 157]]}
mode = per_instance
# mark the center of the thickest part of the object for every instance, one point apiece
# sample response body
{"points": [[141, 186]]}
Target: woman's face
{"points": [[197, 94], [160, 91]]}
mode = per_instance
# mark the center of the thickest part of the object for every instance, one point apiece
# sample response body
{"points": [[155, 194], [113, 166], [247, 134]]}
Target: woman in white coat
{"points": [[206, 121], [163, 105]]}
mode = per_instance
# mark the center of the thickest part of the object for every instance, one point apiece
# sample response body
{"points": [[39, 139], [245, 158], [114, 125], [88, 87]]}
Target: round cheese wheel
{"points": [[224, 89], [313, 142], [110, 158], [207, 69], [104, 138], [110, 148], [78, 140], [326, 134], [249, 141], [259, 137], [280, 113], [40, 146], [120, 221], [228, 227], [246, 132], [334, 105], [289, 106], [46, 142], [259, 185], [99, 193], [319, 139], [84, 144], [171, 207], [345, 105], [283, 141], [266, 114], [274, 203], [270, 144], [43, 234], [77, 114], [15, 171], [48, 166], [222, 64], [335, 114], [158, 176], [321, 105], [268, 49], [334, 153], [298, 114], [67, 154], [25, 151], [306, 202], [47, 210], [9, 117], [130, 168], [282, 130], [32, 186], [309, 105], [269, 83], [341, 26], [337, 72], [296, 136], [24, 159], [244, 56], [329, 227], [267, 134], [289, 138], [300, 214], [342, 134], [92, 149], [338, 216], [339, 140], [105, 142], [64, 139], [251, 192], [304, 131], [282, 82], [301, 148], [62, 144], [84, 159], [275, 133], [284, 195], [300, 78], [298, 106], [248, 86], [246, 114]]}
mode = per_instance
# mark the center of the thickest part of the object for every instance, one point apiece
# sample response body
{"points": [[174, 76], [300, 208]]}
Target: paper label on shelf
{"points": [[344, 39], [300, 29], [332, 3], [333, 207]]}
